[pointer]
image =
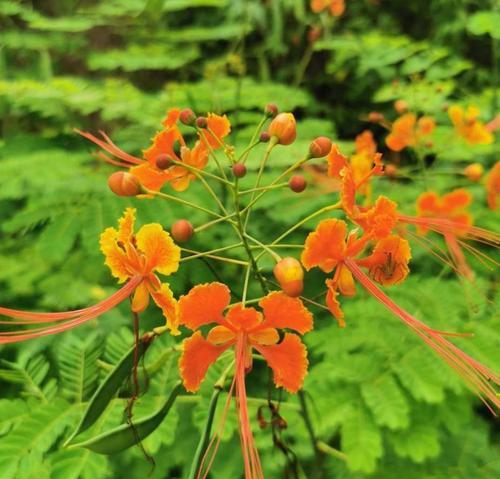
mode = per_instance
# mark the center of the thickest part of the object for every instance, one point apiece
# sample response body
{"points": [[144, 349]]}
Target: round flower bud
{"points": [[297, 183], [391, 170], [283, 128], [122, 183], [271, 110], [239, 170], [163, 161], [320, 147], [474, 171], [290, 276], [182, 231], [400, 106], [264, 137], [375, 117], [201, 122], [187, 116]]}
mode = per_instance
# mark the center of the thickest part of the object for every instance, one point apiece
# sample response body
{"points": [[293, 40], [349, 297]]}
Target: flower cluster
{"points": [[368, 248]]}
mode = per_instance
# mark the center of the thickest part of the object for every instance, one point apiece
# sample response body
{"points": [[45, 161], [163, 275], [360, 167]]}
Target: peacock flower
{"points": [[243, 329], [152, 171], [133, 260], [144, 254], [362, 161], [493, 187], [329, 246], [328, 249], [408, 131], [468, 126], [336, 7]]}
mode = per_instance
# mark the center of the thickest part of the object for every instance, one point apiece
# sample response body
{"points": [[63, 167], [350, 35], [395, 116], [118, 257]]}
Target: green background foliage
{"points": [[375, 392]]}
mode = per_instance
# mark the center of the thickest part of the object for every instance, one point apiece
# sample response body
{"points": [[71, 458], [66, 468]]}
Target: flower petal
{"points": [[380, 219], [197, 356], [126, 226], [333, 303], [457, 199], [140, 299], [220, 335], [288, 360], [243, 318], [264, 337], [162, 254], [283, 311], [219, 127], [150, 177], [336, 162], [164, 299], [325, 246], [116, 259], [204, 304]]}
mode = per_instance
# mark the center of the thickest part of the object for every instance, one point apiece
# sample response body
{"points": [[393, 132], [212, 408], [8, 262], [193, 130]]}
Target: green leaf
{"points": [[127, 435], [78, 464], [485, 22]]}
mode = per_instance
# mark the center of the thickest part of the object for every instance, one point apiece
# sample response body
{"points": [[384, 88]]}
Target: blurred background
{"points": [[384, 403]]}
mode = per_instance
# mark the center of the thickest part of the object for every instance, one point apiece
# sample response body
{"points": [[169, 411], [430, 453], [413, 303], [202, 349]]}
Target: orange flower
{"points": [[328, 249], [408, 131], [468, 126], [336, 7], [150, 251], [133, 260], [245, 329], [168, 143], [362, 161], [493, 187]]}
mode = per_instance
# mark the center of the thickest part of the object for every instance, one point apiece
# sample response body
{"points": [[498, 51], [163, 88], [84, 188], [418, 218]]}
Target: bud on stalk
{"points": [[122, 183], [474, 171], [320, 147], [283, 128], [182, 231], [290, 276]]}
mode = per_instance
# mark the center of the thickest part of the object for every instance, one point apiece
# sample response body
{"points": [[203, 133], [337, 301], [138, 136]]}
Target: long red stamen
{"points": [[475, 374], [110, 147], [70, 319], [458, 256]]}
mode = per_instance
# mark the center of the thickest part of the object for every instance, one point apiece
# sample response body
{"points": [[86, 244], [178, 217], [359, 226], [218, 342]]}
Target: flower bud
{"points": [[290, 276], [271, 110], [474, 171], [297, 183], [264, 137], [400, 106], [391, 170], [283, 128], [187, 116], [163, 161], [314, 34], [320, 147], [182, 231], [375, 117], [239, 170], [201, 122], [122, 183]]}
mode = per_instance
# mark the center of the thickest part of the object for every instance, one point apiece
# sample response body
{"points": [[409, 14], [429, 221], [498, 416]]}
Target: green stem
{"points": [[198, 254], [197, 171], [309, 426], [263, 188], [244, 156], [330, 451]]}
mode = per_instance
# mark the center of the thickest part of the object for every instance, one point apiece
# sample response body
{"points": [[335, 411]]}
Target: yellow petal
{"points": [[126, 226], [116, 259], [140, 300], [164, 299], [162, 254]]}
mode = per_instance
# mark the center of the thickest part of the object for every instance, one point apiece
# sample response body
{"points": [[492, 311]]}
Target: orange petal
{"points": [[426, 125], [282, 311], [204, 304], [264, 337], [345, 281], [428, 203], [456, 115], [116, 259], [126, 226], [151, 177], [243, 318], [220, 335], [140, 299], [197, 356], [380, 219], [348, 191], [162, 254], [336, 162], [172, 117], [288, 360], [325, 246], [163, 143], [333, 303], [164, 299], [365, 143], [219, 127], [456, 199]]}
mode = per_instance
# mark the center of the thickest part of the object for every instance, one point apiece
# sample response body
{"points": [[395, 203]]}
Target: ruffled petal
{"points": [[348, 191], [242, 318], [345, 281], [264, 337], [325, 246], [220, 335], [150, 177], [140, 299], [380, 219], [126, 226], [288, 360], [162, 254], [282, 311], [204, 304], [333, 303], [116, 259], [428, 204], [197, 356], [336, 162], [164, 299], [457, 199], [219, 127]]}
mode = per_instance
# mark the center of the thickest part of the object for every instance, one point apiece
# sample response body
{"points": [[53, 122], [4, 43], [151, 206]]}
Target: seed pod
{"points": [[474, 171], [320, 147], [122, 183], [201, 122], [187, 116], [239, 170], [271, 110], [182, 231], [283, 128], [264, 137], [163, 161], [297, 183], [290, 276]]}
